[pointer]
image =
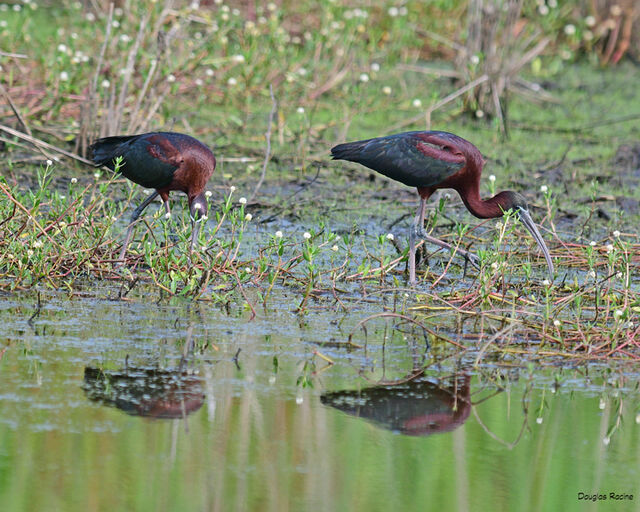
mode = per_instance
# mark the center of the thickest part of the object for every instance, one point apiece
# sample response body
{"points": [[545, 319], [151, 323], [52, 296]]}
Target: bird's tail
{"points": [[104, 150], [351, 151]]}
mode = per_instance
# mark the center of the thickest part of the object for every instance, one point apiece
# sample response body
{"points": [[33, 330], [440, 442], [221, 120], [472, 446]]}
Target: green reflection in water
{"points": [[260, 442]]}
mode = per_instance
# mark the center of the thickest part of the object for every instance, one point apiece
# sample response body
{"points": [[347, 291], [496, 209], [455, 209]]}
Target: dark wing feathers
{"points": [[417, 159], [149, 160]]}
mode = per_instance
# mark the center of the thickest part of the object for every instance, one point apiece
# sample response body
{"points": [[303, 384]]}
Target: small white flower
{"points": [[479, 114], [278, 234], [302, 71], [616, 233], [590, 21], [205, 218], [90, 16], [105, 84], [248, 217], [557, 323], [299, 400], [248, 270], [591, 274], [417, 103], [238, 58], [544, 189], [543, 9], [617, 313], [209, 72], [272, 379], [232, 189], [208, 193], [306, 235], [115, 23], [552, 3], [37, 244], [390, 236], [375, 67], [495, 266], [364, 78], [96, 174], [62, 198], [393, 11], [474, 59], [619, 275], [167, 215], [171, 78], [629, 325], [300, 110], [592, 243], [29, 253], [118, 11], [232, 81], [3, 24], [49, 163], [271, 6], [62, 48], [546, 282], [64, 76], [74, 180], [615, 10], [492, 177], [569, 29], [198, 82], [17, 7], [609, 247], [335, 248], [242, 200], [539, 420], [386, 90], [197, 206], [499, 225], [602, 404], [606, 441]]}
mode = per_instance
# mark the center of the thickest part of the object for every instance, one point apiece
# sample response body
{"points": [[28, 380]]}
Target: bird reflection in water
{"points": [[414, 408], [147, 392]]}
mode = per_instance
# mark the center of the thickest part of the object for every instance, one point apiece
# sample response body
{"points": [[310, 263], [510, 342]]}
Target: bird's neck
{"points": [[481, 208]]}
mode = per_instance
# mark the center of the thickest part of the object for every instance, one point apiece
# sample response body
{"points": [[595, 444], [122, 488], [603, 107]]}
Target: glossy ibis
{"points": [[432, 160], [165, 161]]}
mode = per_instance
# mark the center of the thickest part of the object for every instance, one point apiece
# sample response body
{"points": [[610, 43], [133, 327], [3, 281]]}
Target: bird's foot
{"points": [[471, 258]]}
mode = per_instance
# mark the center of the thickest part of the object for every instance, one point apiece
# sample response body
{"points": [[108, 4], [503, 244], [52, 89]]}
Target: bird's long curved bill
{"points": [[526, 219], [195, 232]]}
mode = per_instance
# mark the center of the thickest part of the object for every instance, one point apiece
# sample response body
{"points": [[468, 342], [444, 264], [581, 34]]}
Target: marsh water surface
{"points": [[106, 404]]}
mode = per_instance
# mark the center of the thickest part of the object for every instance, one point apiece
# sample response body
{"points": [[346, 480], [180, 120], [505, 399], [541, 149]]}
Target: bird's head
{"points": [[198, 207], [510, 200]]}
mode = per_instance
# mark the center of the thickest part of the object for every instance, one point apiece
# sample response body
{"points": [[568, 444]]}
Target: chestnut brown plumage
{"points": [[164, 161], [432, 160]]}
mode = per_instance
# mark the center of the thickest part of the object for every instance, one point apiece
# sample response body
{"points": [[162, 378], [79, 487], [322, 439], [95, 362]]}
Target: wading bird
{"points": [[433, 160], [165, 161]]}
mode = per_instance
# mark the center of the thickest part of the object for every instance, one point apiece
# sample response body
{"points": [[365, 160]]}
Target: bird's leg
{"points": [[415, 230], [421, 232], [134, 217], [469, 256]]}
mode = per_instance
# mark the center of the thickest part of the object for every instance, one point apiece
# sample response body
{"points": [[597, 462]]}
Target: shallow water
{"points": [[183, 406]]}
